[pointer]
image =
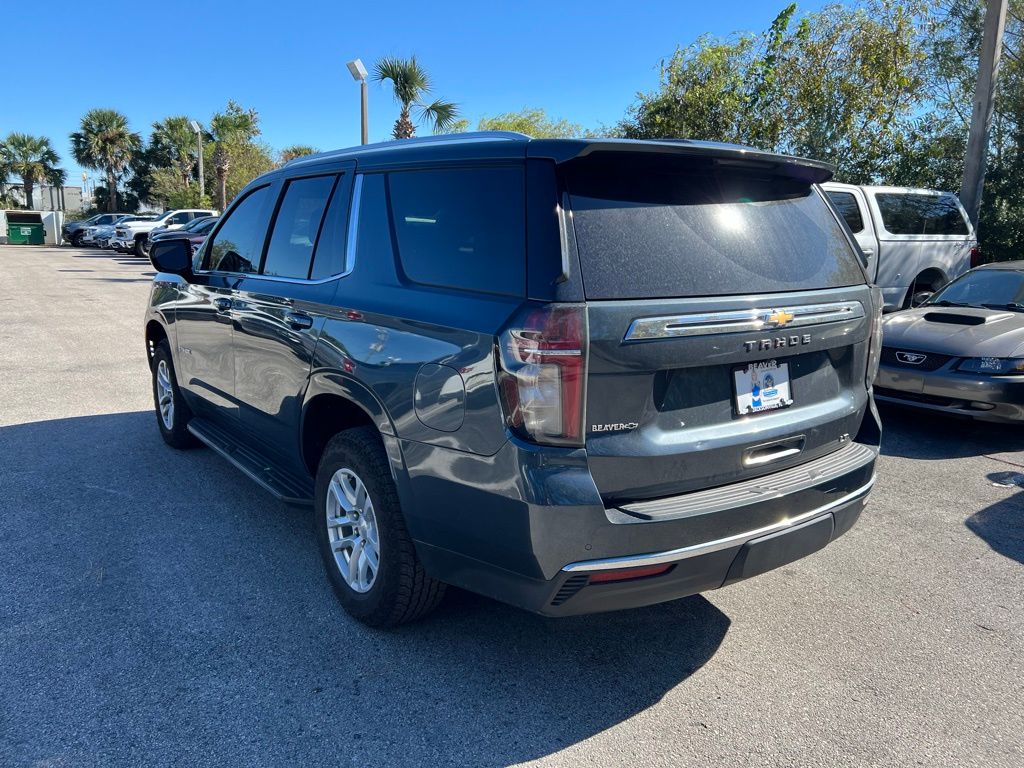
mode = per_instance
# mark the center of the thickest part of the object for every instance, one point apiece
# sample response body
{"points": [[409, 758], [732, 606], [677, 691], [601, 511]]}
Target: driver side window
{"points": [[238, 245]]}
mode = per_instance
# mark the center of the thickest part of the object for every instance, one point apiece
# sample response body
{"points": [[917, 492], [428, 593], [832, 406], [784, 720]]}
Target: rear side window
{"points": [[847, 206], [462, 228], [921, 214], [297, 226], [239, 243], [655, 228], [330, 249]]}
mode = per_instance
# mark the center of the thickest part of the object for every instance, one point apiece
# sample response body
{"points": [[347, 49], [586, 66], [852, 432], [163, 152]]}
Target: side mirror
{"points": [[174, 256]]}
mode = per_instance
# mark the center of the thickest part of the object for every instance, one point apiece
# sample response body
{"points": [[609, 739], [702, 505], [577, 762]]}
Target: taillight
{"points": [[975, 257], [875, 337], [543, 369]]}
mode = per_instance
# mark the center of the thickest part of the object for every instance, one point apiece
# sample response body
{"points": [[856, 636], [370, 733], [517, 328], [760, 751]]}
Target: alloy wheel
{"points": [[165, 394], [352, 530]]}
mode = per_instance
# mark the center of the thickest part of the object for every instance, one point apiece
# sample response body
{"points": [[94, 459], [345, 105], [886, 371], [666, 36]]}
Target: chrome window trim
{"points": [[350, 247], [353, 224], [740, 320], [695, 550]]}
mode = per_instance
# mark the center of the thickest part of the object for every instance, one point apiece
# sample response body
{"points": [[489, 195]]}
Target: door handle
{"points": [[222, 304], [298, 321], [868, 251]]}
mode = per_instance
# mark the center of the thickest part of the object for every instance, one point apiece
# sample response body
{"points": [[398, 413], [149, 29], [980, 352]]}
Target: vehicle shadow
{"points": [[1001, 525], [926, 435], [157, 605]]}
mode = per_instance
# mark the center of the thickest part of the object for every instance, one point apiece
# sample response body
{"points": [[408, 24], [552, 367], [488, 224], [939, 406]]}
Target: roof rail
{"points": [[445, 138]]}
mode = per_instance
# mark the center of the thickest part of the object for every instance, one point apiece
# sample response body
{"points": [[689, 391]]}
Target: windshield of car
{"points": [[984, 288], [194, 224], [204, 226]]}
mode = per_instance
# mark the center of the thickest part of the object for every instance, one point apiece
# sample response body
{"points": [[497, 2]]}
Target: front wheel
{"points": [[172, 413], [368, 553], [140, 247]]}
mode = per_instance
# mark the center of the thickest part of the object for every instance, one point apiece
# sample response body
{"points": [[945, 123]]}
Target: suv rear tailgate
{"points": [[729, 318]]}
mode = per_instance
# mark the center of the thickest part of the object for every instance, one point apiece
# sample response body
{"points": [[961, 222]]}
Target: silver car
{"points": [[962, 352]]}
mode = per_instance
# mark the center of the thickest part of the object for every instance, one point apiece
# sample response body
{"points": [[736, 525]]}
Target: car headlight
{"points": [[994, 366]]}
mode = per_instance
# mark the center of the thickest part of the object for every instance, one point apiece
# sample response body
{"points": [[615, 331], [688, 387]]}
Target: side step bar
{"points": [[285, 486]]}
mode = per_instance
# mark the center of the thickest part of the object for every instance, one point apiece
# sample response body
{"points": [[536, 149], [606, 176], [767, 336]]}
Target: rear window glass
{"points": [[645, 231], [462, 228], [847, 206], [920, 214], [297, 226]]}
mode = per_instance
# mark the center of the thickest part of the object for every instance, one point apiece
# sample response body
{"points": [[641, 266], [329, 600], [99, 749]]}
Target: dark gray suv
{"points": [[573, 375]]}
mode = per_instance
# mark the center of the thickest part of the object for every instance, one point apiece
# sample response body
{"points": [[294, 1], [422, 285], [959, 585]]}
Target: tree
{"points": [[532, 121], [30, 158], [297, 150], [840, 85], [411, 84], [173, 144], [105, 143], [232, 129]]}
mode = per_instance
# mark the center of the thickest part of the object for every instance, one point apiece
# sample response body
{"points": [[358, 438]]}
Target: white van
{"points": [[915, 240]]}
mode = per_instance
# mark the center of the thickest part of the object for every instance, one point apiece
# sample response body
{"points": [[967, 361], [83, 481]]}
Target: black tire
{"points": [[922, 290], [401, 590], [176, 434], [140, 247], [76, 240]]}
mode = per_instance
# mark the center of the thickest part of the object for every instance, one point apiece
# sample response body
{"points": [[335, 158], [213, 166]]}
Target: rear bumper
{"points": [[984, 398], [541, 550]]}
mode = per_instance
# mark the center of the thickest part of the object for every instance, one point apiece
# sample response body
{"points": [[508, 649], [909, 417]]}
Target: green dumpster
{"points": [[24, 234], [25, 228]]}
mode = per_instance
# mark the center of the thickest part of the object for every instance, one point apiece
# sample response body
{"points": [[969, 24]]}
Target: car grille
{"points": [[931, 362]]}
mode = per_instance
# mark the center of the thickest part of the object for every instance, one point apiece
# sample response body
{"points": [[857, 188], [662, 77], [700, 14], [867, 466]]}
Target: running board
{"points": [[285, 486]]}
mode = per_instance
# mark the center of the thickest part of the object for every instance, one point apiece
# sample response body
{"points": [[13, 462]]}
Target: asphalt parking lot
{"points": [[158, 608]]}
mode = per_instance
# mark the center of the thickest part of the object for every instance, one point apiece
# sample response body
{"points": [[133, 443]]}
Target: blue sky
{"points": [[583, 61]]}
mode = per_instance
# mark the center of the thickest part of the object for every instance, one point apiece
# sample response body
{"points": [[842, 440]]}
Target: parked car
{"points": [[573, 375], [101, 236], [97, 234], [74, 230], [915, 240], [132, 237], [165, 228], [963, 351], [194, 232]]}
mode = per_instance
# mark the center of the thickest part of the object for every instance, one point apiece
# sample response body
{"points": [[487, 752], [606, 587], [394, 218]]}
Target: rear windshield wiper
{"points": [[1013, 305]]}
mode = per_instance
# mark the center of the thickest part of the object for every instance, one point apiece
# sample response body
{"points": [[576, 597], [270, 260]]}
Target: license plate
{"points": [[762, 386]]}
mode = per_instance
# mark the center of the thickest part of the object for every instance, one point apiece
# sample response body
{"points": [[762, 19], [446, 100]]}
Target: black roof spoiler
{"points": [[565, 150]]}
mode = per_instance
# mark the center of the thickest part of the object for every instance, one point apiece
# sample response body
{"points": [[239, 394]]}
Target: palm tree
{"points": [[30, 157], [173, 142], [57, 178], [106, 144], [411, 84], [296, 150], [231, 127]]}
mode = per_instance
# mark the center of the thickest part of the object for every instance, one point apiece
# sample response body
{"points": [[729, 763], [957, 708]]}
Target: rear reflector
{"points": [[628, 574]]}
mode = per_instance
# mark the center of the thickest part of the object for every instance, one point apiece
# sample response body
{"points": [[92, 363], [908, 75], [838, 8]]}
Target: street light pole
{"points": [[199, 149], [358, 71], [981, 118]]}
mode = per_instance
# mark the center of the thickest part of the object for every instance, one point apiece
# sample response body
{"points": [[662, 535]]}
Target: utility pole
{"points": [[981, 117], [199, 151]]}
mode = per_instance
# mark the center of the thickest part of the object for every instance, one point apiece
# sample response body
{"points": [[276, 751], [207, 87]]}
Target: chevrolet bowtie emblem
{"points": [[777, 318]]}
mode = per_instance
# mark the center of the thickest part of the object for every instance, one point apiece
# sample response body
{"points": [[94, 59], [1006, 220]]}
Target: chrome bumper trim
{"points": [[695, 550]]}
